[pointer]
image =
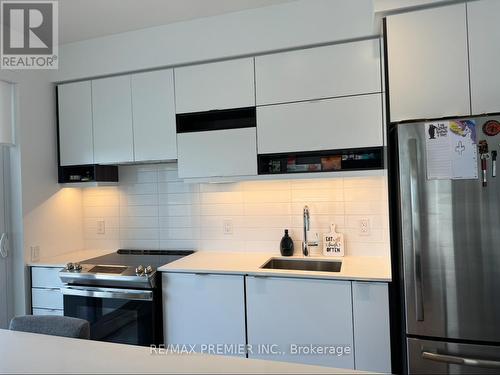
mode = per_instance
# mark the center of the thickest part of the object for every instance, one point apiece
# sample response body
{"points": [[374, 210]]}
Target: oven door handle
{"points": [[127, 294]]}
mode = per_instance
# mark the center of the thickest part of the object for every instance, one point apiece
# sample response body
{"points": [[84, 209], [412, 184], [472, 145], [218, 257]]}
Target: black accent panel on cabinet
{"points": [[216, 120], [322, 161], [88, 173]]}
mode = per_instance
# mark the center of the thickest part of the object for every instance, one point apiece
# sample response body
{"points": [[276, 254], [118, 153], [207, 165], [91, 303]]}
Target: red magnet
{"points": [[491, 128]]}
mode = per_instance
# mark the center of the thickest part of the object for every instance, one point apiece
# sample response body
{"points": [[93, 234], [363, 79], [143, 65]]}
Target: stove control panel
{"points": [[139, 270], [74, 267], [143, 271]]}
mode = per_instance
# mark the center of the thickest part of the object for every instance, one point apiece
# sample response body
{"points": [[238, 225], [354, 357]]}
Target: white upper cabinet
{"points": [[217, 153], [76, 144], [112, 111], [218, 85], [336, 70], [484, 55], [427, 59], [153, 108], [328, 124]]}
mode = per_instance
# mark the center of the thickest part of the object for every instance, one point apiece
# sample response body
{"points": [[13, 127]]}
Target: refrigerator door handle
{"points": [[415, 233], [461, 361]]}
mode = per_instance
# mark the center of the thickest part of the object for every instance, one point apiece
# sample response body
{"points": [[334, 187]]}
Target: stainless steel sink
{"points": [[303, 265]]}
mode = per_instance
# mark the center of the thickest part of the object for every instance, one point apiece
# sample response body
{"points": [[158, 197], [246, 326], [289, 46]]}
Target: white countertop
{"points": [[239, 263], [353, 267], [22, 352], [63, 259]]}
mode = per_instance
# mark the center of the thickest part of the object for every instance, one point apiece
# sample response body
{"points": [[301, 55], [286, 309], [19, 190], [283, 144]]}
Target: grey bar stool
{"points": [[52, 325]]}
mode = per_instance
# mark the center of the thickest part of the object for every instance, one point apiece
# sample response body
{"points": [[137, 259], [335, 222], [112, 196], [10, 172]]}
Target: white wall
{"points": [[41, 213], [293, 24], [386, 6], [52, 216], [151, 209]]}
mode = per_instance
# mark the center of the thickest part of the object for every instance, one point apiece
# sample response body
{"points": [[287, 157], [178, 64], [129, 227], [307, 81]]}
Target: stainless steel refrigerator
{"points": [[450, 254]]}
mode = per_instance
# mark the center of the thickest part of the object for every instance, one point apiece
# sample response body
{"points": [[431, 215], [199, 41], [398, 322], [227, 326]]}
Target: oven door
{"points": [[124, 316]]}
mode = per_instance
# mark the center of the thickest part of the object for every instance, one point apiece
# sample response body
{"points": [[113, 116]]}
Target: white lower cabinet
{"points": [[46, 296], [301, 315], [335, 323], [204, 310], [372, 341]]}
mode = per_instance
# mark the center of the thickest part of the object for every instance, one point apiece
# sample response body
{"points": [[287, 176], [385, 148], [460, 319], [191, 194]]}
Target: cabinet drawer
{"points": [[219, 85], [217, 153], [313, 73], [45, 277], [329, 124], [48, 312], [47, 298]]}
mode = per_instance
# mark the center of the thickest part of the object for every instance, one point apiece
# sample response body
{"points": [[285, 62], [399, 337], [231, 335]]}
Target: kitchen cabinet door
{"points": [[313, 73], [76, 145], [217, 153], [153, 107], [372, 341], [328, 124], [203, 309], [218, 85], [112, 113], [303, 312], [427, 60], [484, 54]]}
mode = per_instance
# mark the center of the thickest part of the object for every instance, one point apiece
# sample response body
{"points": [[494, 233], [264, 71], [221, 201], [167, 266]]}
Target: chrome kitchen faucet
{"points": [[305, 242]]}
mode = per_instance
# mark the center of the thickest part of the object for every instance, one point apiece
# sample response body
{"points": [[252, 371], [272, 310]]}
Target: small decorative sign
{"points": [[333, 243]]}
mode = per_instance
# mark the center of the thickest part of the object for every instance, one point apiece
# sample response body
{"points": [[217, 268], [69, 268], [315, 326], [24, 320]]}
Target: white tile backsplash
{"points": [[151, 208]]}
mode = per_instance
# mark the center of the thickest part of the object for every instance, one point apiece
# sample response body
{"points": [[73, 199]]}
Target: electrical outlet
{"points": [[101, 226], [227, 226], [364, 227], [35, 253]]}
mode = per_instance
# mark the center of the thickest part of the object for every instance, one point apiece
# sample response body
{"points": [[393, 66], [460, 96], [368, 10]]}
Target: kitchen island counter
{"points": [[22, 352]]}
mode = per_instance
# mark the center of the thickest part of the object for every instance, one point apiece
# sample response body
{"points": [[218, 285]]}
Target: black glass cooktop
{"points": [[133, 258]]}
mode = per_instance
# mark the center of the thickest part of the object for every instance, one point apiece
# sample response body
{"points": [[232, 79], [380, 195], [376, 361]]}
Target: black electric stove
{"points": [[119, 294]]}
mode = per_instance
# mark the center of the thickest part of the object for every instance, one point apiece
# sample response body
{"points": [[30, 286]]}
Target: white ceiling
{"points": [[86, 19]]}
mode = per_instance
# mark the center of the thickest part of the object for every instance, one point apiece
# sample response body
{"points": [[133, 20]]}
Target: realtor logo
{"points": [[29, 37]]}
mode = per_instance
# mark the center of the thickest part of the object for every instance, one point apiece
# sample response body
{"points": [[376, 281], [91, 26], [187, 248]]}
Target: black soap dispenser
{"points": [[286, 245]]}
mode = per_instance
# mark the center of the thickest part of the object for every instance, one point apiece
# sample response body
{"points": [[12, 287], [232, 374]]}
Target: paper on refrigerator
{"points": [[451, 150]]}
